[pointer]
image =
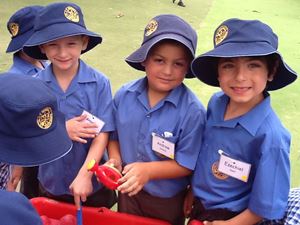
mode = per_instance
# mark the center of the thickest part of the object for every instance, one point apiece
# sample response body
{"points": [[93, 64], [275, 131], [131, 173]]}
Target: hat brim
{"points": [[38, 150], [137, 57], [57, 31], [16, 44], [205, 66]]}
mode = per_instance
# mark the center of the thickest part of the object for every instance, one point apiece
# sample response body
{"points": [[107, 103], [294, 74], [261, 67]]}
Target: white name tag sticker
{"points": [[93, 119], [234, 168], [163, 146]]}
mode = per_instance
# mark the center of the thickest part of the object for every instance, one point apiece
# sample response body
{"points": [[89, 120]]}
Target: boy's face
{"points": [[243, 79], [65, 52], [166, 66]]}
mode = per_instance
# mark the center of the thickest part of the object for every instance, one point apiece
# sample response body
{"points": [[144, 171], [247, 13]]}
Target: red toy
{"points": [[195, 222], [108, 175]]}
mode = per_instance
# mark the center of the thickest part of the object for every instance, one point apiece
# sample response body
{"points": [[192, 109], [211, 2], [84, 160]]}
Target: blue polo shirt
{"points": [[257, 138], [21, 66], [180, 115], [90, 90], [16, 209]]}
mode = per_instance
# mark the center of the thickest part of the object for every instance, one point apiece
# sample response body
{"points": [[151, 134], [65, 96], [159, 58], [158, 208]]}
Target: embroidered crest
{"points": [[151, 27], [217, 173], [45, 118], [71, 14], [221, 34], [13, 29]]}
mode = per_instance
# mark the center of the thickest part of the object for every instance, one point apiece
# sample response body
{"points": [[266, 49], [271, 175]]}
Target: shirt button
{"points": [[148, 116]]}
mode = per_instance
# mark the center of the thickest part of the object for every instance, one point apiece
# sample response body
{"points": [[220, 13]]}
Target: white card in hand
{"points": [[93, 119]]}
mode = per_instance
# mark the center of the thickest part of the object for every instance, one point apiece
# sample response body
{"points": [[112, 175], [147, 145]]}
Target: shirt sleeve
{"points": [[272, 180]]}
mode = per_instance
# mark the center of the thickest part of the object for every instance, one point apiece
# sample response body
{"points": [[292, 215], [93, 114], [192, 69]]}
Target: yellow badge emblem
{"points": [[13, 29], [71, 14], [45, 118], [217, 173], [221, 34], [151, 27]]}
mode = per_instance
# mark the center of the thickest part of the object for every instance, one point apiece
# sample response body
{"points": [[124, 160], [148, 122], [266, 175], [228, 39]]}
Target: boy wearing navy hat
{"points": [[61, 36], [243, 169], [166, 121], [20, 26], [32, 132]]}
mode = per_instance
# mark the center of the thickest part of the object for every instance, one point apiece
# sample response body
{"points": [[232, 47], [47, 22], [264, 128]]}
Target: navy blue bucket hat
{"points": [[55, 21], [32, 130], [165, 26], [20, 26], [238, 38]]}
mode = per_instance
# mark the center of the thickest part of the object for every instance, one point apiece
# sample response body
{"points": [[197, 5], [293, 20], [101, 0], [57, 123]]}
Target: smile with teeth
{"points": [[240, 89]]}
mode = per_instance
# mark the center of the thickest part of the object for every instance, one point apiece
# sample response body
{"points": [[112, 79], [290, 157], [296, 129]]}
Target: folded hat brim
{"points": [[37, 150], [137, 57], [17, 42], [57, 31], [205, 66]]}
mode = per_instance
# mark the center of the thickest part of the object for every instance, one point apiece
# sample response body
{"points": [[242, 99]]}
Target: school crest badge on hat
{"points": [[221, 34], [71, 14], [13, 29], [45, 118], [151, 27]]}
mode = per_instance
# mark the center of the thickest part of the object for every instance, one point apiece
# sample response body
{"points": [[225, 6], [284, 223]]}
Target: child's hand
{"points": [[78, 130], [135, 177], [188, 203], [114, 163], [81, 188]]}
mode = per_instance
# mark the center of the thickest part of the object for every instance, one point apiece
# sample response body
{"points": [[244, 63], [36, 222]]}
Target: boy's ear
{"points": [[85, 41], [271, 77], [273, 72], [42, 49]]}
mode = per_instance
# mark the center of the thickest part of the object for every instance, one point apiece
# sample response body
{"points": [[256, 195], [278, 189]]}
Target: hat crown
{"points": [[27, 110], [244, 31], [170, 24], [22, 20], [56, 13]]}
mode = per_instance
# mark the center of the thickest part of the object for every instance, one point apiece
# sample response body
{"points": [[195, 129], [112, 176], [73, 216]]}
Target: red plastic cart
{"points": [[91, 216]]}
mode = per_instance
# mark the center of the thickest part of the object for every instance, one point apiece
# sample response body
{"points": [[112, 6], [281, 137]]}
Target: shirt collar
{"points": [[27, 68], [251, 121], [174, 96], [84, 75]]}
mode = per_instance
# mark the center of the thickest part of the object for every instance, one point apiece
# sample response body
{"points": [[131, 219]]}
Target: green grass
{"points": [[122, 35]]}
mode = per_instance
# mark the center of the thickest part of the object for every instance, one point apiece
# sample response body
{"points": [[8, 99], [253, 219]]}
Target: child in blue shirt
{"points": [[20, 26], [243, 169], [61, 37], [159, 123]]}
